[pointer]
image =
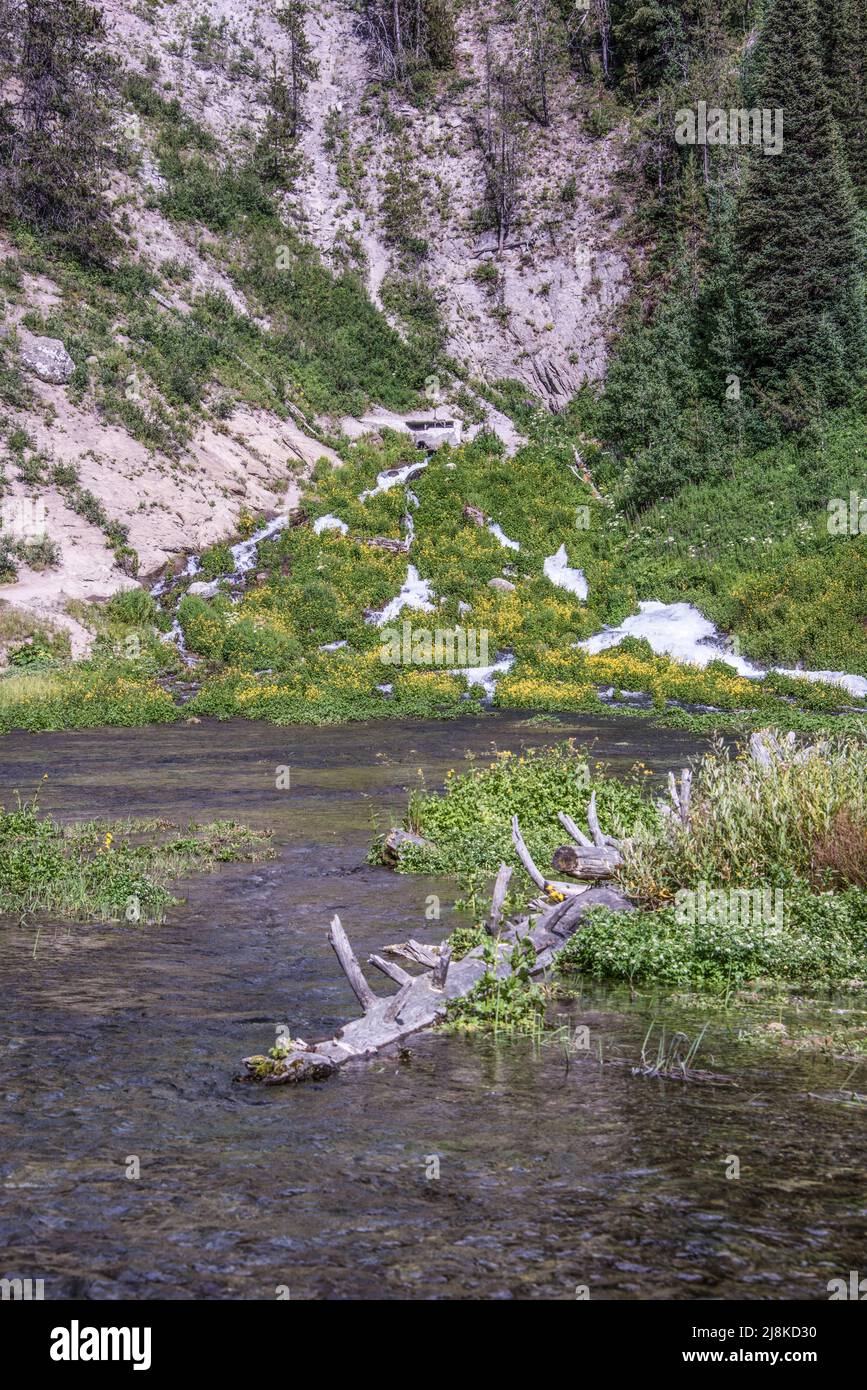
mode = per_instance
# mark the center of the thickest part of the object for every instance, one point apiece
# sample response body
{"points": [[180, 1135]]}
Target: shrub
{"points": [[749, 824], [132, 606]]}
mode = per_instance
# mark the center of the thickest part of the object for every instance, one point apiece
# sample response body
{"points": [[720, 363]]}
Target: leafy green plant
{"points": [[512, 1005]]}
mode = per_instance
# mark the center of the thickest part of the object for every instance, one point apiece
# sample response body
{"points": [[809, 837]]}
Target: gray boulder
{"points": [[48, 359]]}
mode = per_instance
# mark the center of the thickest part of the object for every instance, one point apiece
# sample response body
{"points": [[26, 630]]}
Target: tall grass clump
{"points": [[751, 823]]}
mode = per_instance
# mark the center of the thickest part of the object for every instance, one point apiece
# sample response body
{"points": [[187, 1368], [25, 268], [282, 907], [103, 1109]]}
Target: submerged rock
{"points": [[397, 840]]}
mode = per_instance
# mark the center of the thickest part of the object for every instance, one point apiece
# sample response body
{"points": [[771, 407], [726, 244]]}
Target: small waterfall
{"points": [[244, 555]]}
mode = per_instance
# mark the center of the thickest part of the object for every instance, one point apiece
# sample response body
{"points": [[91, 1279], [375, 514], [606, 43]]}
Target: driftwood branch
{"points": [[441, 969], [395, 1005], [572, 829], [500, 889], [526, 859], [680, 797], [415, 951], [419, 1003], [593, 822], [422, 999], [388, 967], [349, 962]]}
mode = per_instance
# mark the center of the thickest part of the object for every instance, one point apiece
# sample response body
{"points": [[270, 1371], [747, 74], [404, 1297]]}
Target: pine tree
{"points": [[844, 57], [56, 127], [301, 66], [278, 161], [803, 318]]}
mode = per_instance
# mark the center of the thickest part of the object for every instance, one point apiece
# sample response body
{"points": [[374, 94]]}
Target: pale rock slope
{"points": [[561, 275]]}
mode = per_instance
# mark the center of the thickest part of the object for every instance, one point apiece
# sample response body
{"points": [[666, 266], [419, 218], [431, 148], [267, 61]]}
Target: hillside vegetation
{"points": [[249, 231]]}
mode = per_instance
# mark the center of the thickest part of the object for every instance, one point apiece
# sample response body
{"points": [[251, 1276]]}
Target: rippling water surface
{"points": [[121, 1041]]}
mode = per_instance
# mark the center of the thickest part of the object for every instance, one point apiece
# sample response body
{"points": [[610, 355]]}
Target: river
{"points": [[554, 1174]]}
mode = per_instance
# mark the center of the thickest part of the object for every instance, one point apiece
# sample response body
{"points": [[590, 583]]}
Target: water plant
{"points": [[104, 870]]}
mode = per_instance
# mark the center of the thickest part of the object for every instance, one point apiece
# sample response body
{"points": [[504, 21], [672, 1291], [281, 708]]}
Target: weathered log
{"points": [[397, 840], [420, 1002], [415, 951], [397, 547], [500, 889], [388, 967], [351, 969], [395, 1005], [422, 999], [417, 1005], [585, 863], [547, 885], [441, 969]]}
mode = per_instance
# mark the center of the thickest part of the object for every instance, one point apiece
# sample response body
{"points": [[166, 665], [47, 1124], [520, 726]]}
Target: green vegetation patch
{"points": [[108, 871]]}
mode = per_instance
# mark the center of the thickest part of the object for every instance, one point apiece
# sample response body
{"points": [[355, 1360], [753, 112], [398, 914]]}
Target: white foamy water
{"points": [[390, 477], [854, 685], [681, 631], [497, 531], [243, 559], [416, 593], [244, 553], [557, 569], [486, 676], [330, 523]]}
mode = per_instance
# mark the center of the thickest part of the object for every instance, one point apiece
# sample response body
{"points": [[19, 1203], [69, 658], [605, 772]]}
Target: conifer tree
{"points": [[802, 301], [56, 127], [301, 65], [844, 56]]}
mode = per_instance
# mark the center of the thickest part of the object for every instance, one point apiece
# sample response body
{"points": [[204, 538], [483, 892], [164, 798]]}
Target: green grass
{"points": [[823, 943], [85, 696], [108, 871]]}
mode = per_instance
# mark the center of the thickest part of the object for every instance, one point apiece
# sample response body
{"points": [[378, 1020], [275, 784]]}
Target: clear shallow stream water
{"points": [[119, 1041]]}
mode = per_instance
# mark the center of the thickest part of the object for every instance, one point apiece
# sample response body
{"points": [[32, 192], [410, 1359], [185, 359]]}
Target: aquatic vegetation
{"points": [[469, 825], [822, 942], [753, 824], [513, 1005], [104, 870], [744, 890]]}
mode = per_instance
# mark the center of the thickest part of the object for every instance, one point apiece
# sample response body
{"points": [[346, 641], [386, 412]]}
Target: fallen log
{"points": [[585, 863], [422, 999], [397, 547]]}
